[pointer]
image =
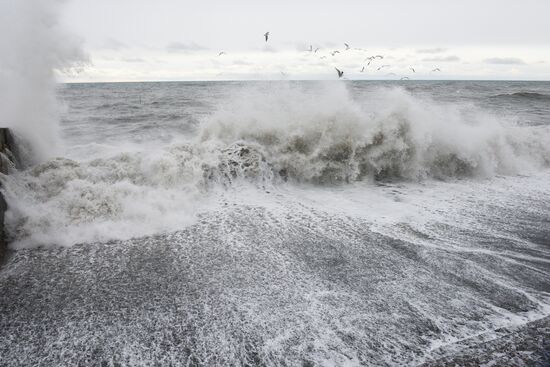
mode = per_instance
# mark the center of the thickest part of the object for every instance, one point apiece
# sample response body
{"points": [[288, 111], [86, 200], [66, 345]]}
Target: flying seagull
{"points": [[362, 70], [221, 53], [335, 52], [347, 46], [379, 57], [404, 78], [266, 35], [317, 49], [412, 69], [383, 66], [370, 58], [340, 73], [436, 69]]}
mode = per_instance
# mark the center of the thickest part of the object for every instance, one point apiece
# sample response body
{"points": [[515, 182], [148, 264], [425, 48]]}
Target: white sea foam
{"points": [[64, 202], [309, 271], [325, 135], [263, 137]]}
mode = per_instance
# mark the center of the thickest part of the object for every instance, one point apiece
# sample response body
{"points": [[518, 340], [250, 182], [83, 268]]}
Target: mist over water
{"points": [[33, 46]]}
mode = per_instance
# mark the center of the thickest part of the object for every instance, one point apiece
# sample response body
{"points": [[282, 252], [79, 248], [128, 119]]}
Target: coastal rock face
{"points": [[8, 162]]}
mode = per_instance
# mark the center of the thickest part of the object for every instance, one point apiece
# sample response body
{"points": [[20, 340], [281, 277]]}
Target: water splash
{"points": [[33, 46]]}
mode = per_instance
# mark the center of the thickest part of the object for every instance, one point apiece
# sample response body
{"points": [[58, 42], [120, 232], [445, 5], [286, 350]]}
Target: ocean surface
{"points": [[280, 224]]}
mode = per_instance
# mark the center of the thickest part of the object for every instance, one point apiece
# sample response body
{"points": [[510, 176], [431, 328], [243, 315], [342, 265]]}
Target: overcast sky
{"points": [[180, 40]]}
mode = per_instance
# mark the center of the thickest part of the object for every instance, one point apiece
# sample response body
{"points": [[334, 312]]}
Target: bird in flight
{"points": [[340, 73], [323, 57], [221, 53], [436, 69], [370, 58], [317, 49], [362, 70], [412, 69], [383, 66], [379, 57], [266, 35], [335, 52], [404, 78], [347, 46]]}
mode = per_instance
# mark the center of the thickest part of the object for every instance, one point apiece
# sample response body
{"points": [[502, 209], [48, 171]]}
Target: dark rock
{"points": [[8, 162]]}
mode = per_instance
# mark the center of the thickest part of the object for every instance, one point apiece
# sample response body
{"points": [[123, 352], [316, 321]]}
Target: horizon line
{"points": [[302, 80]]}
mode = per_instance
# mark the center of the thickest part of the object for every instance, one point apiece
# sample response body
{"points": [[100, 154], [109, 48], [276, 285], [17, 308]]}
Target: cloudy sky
{"points": [[129, 40]]}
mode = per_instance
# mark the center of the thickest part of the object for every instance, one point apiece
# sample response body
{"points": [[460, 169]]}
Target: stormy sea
{"points": [[284, 223]]}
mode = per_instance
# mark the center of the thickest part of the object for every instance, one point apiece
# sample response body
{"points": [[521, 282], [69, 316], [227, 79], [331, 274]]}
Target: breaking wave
{"points": [[328, 137], [265, 136]]}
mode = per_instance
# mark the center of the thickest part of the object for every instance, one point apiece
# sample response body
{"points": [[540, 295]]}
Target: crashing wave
{"points": [[331, 138], [264, 137]]}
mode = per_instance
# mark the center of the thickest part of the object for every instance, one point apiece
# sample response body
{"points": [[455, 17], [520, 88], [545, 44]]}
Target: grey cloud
{"points": [[330, 44], [133, 59], [302, 46], [504, 61], [184, 47], [269, 49], [241, 62], [452, 58], [102, 58], [436, 50], [113, 44]]}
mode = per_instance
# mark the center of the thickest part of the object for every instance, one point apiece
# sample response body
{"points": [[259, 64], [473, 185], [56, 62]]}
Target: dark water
{"points": [[275, 223]]}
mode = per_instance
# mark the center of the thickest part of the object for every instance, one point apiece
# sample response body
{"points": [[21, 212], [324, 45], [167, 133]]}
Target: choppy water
{"points": [[280, 223]]}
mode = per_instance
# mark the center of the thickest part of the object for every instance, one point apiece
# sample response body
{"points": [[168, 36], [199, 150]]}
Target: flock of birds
{"points": [[339, 72]]}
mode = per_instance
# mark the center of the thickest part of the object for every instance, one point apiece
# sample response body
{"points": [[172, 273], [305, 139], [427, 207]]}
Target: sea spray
{"points": [[269, 138], [324, 135], [33, 47]]}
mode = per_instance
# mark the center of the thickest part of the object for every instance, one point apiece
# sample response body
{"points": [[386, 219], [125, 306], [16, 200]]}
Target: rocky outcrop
{"points": [[8, 162]]}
